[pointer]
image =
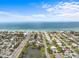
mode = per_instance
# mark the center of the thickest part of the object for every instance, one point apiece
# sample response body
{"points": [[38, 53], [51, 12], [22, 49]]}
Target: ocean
{"points": [[41, 26]]}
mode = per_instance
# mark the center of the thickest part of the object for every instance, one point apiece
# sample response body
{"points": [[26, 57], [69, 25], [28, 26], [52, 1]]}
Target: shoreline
{"points": [[41, 30]]}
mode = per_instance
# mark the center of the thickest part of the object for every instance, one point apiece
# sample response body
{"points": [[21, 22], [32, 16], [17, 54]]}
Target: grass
{"points": [[59, 49], [42, 51], [34, 46], [77, 50], [24, 50], [52, 55], [49, 50]]}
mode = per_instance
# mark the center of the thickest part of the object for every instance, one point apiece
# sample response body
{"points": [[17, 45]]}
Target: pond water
{"points": [[32, 53]]}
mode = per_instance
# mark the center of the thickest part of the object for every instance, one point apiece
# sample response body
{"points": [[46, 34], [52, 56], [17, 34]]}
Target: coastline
{"points": [[41, 30]]}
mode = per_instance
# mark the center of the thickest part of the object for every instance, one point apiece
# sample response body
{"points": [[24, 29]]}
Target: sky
{"points": [[39, 10]]}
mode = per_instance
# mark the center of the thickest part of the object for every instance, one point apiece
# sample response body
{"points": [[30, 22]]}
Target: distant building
{"points": [[59, 42], [58, 55], [53, 48], [74, 45]]}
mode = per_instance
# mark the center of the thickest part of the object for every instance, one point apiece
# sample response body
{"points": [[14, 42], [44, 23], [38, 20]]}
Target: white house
{"points": [[74, 45], [53, 48]]}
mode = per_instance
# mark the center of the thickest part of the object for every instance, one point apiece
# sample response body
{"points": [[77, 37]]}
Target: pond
{"points": [[33, 53]]}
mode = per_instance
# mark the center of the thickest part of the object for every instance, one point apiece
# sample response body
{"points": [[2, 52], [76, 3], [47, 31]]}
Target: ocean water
{"points": [[48, 26]]}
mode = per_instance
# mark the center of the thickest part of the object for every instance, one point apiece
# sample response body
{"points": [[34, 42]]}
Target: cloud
{"points": [[39, 15], [46, 6], [9, 17], [64, 9]]}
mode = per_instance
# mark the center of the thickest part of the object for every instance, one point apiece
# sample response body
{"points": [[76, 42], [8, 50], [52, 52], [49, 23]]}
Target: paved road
{"points": [[48, 38], [17, 52], [46, 52]]}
